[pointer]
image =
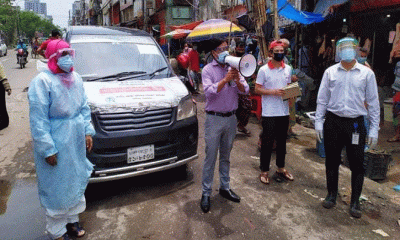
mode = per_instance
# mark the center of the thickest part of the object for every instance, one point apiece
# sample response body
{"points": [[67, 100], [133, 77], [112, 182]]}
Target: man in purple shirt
{"points": [[222, 85]]}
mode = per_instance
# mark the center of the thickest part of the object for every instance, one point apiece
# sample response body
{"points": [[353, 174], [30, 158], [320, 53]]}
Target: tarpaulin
{"points": [[288, 11], [325, 7], [188, 26]]}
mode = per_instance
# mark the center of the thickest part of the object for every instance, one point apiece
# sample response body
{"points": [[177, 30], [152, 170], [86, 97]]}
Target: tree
{"points": [[8, 21], [15, 23], [30, 22]]}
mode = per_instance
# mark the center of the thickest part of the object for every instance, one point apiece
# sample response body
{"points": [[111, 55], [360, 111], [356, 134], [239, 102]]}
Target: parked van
{"points": [[145, 118]]}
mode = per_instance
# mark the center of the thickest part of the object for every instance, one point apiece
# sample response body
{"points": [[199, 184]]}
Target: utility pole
{"points": [[276, 27], [144, 15], [260, 17]]}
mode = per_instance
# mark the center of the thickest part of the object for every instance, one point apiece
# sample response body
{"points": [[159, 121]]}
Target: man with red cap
{"points": [[271, 80]]}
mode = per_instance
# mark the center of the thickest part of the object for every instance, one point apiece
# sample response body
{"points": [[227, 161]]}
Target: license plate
{"points": [[139, 154]]}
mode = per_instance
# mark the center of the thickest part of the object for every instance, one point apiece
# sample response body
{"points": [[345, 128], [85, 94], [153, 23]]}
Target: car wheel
{"points": [[5, 54]]}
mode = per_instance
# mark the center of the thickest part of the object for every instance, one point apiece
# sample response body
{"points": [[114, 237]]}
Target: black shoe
{"points": [[355, 209], [205, 203], [329, 202], [230, 195]]}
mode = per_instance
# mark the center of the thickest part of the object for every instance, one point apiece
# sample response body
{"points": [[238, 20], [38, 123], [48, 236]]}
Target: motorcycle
{"points": [[21, 58]]}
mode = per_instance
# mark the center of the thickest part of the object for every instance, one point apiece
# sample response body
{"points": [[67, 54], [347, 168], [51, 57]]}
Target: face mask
{"points": [[221, 57], [279, 56], [348, 54], [361, 60], [65, 63]]}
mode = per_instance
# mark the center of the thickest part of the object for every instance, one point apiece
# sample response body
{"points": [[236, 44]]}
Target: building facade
{"points": [[36, 6]]}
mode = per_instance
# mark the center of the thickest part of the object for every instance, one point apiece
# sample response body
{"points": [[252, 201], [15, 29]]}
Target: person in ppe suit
{"points": [[61, 132], [345, 87]]}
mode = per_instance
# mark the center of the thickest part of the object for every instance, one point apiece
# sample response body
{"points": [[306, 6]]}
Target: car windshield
{"points": [[100, 57]]}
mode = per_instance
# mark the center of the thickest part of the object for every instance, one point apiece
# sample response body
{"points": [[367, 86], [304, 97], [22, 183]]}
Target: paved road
{"points": [[166, 205]]}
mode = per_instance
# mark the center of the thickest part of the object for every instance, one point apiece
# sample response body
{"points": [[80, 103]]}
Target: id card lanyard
{"points": [[355, 136]]}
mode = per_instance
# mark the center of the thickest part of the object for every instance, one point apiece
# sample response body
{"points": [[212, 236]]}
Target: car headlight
{"points": [[186, 108]]}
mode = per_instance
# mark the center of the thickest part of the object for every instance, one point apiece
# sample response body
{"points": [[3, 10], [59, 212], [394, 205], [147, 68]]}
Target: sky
{"points": [[59, 9]]}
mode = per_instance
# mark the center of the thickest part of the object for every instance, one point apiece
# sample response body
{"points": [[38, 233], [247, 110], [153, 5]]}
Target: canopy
{"points": [[177, 34], [188, 26], [324, 7], [362, 5], [288, 11], [214, 28]]}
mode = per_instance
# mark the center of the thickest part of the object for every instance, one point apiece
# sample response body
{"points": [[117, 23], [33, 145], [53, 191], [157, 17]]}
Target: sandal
{"points": [[64, 237], [244, 131], [264, 178], [394, 139], [285, 174], [75, 230]]}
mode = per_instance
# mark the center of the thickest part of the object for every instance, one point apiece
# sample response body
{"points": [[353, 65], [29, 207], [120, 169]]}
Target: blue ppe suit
{"points": [[59, 120]]}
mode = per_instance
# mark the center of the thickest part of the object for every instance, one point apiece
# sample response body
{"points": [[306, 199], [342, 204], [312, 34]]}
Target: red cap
{"points": [[276, 43]]}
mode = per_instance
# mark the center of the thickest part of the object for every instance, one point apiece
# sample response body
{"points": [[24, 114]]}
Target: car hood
{"points": [[121, 96]]}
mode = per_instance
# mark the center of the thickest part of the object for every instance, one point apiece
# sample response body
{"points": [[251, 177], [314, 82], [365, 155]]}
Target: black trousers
{"points": [[4, 120], [338, 133], [274, 128]]}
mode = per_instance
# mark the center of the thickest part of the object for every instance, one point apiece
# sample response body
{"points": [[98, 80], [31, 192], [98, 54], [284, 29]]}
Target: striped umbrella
{"points": [[177, 34], [214, 28]]}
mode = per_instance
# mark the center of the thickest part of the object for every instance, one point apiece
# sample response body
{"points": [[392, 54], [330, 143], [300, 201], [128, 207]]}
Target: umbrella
{"points": [[177, 34], [214, 28]]}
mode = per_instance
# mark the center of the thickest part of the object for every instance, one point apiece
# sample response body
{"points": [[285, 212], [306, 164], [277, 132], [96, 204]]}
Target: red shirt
{"points": [[194, 60], [44, 44]]}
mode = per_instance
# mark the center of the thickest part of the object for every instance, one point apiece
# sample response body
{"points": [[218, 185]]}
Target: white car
{"points": [[3, 48]]}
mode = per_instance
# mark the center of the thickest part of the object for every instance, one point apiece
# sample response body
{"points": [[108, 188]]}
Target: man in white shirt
{"points": [[345, 87]]}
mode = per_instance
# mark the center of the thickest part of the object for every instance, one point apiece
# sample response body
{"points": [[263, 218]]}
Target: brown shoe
{"points": [[285, 175], [264, 178]]}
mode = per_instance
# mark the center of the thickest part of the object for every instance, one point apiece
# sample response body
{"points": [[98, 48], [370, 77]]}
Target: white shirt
{"points": [[274, 78], [344, 93]]}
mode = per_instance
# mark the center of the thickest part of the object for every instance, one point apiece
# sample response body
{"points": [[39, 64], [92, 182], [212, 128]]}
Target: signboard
{"points": [[181, 12]]}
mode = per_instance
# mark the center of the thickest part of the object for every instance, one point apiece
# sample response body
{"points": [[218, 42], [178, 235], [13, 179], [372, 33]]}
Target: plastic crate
{"points": [[376, 165]]}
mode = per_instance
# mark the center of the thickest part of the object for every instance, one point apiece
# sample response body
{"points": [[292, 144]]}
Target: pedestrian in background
{"points": [[244, 105], [4, 87], [271, 80], [345, 87], [194, 66], [61, 132], [292, 101], [55, 34], [222, 85]]}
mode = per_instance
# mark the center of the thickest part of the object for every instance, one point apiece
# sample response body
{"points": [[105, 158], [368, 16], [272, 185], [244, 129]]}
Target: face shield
{"points": [[63, 52], [346, 49]]}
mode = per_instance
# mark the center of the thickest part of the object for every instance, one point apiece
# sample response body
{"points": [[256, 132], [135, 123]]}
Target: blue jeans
{"points": [[219, 135]]}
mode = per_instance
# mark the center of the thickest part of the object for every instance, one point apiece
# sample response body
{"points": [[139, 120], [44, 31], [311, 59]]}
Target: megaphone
{"points": [[246, 65]]}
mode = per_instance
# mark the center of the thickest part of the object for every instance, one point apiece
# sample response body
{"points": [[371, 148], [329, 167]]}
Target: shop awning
{"points": [[365, 5], [325, 7], [288, 11], [188, 26]]}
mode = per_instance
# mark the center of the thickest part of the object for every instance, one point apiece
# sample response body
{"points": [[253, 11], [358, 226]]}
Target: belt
{"points": [[332, 115], [220, 114]]}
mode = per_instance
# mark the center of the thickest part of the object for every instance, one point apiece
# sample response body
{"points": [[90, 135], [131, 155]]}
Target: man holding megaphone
{"points": [[222, 85]]}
